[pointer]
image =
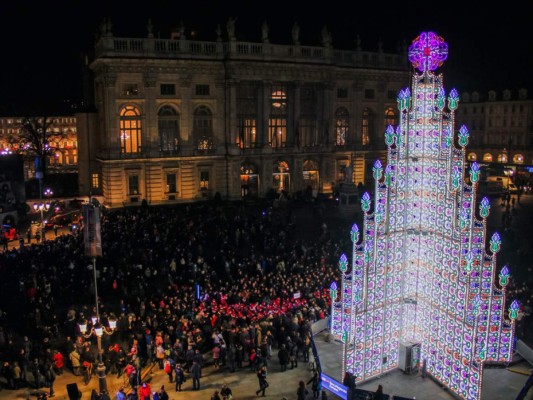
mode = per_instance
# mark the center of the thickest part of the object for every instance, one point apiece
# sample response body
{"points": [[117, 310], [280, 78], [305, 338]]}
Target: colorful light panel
{"points": [[419, 271]]}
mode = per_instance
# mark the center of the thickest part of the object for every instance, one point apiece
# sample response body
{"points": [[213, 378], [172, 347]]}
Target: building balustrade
{"points": [[176, 48]]}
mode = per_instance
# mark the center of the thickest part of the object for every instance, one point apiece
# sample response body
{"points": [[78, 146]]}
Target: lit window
{"points": [[169, 129], [130, 130], [277, 123], [95, 181], [341, 126], [366, 126], [204, 180], [171, 183], [133, 184], [390, 117], [130, 89], [203, 127]]}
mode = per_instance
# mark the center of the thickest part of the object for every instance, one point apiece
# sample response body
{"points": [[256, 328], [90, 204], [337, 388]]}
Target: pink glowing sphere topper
{"points": [[428, 51]]}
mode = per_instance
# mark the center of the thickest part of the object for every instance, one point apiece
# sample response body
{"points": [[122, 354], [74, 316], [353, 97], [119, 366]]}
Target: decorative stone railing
{"points": [[183, 48]]}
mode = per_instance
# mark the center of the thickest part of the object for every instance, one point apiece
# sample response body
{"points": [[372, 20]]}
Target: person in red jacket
{"points": [[145, 392], [58, 362]]}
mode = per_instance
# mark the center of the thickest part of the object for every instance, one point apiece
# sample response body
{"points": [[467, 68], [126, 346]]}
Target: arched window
{"points": [[249, 180], [307, 128], [472, 157], [367, 126], [502, 158], [518, 159], [203, 127], [391, 118], [130, 130], [247, 99], [169, 129], [341, 126], [487, 157]]}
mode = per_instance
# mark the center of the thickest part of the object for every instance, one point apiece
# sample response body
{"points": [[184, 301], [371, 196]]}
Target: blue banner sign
{"points": [[334, 386]]}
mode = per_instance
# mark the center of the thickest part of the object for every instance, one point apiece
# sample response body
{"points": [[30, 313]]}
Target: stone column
{"points": [[221, 126], [377, 140], [263, 114], [294, 116], [231, 112], [150, 140], [358, 113], [186, 117], [329, 116], [110, 132]]}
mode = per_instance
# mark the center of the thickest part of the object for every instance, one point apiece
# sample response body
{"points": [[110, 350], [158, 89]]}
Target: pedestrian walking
{"points": [[302, 391], [316, 384], [262, 377], [179, 377], [50, 377]]}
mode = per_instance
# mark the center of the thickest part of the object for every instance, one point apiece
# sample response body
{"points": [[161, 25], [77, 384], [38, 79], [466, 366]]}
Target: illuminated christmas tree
{"points": [[420, 277]]}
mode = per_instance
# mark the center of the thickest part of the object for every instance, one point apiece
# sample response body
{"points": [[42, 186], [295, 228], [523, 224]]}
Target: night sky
{"points": [[43, 41]]}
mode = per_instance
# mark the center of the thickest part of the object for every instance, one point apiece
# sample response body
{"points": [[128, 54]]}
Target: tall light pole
{"points": [[93, 248], [98, 329]]}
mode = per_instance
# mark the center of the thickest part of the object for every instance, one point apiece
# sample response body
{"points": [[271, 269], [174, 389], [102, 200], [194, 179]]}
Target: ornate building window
{"points": [[171, 180], [311, 175], [487, 157], [203, 127], [341, 126], [95, 181], [204, 180], [307, 130], [133, 184], [367, 126], [391, 118], [130, 130], [518, 159], [280, 176], [502, 158], [277, 122], [169, 129], [249, 180], [247, 116]]}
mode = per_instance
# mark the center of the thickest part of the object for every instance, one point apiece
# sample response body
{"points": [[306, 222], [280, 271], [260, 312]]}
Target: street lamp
{"points": [[99, 329], [93, 248], [41, 207]]}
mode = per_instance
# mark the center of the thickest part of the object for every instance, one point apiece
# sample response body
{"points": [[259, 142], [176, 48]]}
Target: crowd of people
{"points": [[189, 283], [222, 280]]}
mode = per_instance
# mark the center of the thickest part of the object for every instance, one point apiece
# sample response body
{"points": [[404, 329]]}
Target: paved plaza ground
{"points": [[498, 384]]}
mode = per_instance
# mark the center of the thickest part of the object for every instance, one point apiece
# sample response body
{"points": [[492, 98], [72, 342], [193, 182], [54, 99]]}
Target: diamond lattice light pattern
{"points": [[420, 272]]}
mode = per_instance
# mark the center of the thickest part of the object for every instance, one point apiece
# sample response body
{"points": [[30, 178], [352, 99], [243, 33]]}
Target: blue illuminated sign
{"points": [[334, 386]]}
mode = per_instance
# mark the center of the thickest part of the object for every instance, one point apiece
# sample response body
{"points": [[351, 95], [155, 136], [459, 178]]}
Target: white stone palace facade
{"points": [[179, 120]]}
